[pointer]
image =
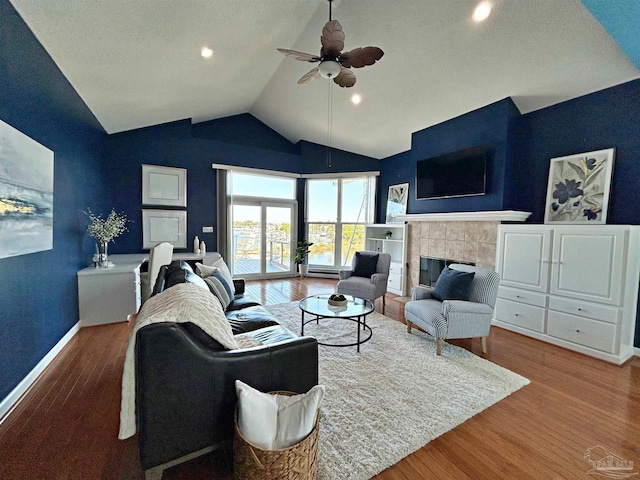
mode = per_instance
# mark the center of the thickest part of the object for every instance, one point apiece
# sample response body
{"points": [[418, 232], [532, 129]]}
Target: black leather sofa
{"points": [[185, 380]]}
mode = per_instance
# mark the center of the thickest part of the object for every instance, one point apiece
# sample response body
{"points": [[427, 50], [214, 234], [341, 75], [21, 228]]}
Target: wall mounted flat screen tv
{"points": [[455, 174]]}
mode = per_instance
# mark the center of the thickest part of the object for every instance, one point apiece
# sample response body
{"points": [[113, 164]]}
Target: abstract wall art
{"points": [[26, 194], [397, 202], [578, 188]]}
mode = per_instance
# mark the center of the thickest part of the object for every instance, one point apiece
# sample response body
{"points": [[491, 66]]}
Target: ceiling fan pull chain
{"points": [[329, 124]]}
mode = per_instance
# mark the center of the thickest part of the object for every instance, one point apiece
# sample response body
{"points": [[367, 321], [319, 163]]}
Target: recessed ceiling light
{"points": [[356, 99], [206, 52], [482, 11]]}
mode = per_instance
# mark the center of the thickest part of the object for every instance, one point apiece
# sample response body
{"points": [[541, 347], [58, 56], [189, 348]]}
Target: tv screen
{"points": [[455, 174]]}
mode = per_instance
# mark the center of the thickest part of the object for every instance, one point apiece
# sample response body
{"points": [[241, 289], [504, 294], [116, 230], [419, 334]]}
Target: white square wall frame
{"points": [[164, 226], [166, 186]]}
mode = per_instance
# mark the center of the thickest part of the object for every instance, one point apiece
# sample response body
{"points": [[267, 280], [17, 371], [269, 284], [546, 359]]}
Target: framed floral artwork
{"points": [[578, 188]]}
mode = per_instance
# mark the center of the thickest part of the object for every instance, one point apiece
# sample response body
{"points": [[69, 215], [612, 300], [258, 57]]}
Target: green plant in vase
{"points": [[105, 230], [300, 258]]}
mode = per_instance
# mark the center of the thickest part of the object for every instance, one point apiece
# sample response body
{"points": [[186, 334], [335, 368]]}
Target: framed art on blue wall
{"points": [[26, 194], [164, 226], [578, 188], [165, 186], [397, 202]]}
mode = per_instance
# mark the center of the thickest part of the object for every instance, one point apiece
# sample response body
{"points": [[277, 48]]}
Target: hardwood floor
{"points": [[66, 426]]}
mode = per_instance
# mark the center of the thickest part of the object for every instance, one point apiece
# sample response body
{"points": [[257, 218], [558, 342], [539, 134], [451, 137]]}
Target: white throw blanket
{"points": [[181, 303]]}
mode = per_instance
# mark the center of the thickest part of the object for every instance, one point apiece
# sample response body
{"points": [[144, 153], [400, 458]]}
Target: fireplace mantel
{"points": [[492, 216]]}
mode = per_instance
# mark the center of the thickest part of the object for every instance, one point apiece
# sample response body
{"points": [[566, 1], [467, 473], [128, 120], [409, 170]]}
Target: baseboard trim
{"points": [[636, 351], [11, 401]]}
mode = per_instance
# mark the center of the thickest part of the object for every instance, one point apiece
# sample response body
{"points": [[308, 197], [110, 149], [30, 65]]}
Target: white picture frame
{"points": [[165, 186], [578, 188], [164, 226], [397, 202]]}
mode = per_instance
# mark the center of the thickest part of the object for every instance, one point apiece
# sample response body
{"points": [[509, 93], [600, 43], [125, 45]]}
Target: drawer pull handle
{"points": [[516, 314], [517, 296], [579, 309], [577, 330]]}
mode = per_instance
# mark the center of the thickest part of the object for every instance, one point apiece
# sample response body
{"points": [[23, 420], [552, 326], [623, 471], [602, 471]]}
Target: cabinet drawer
{"points": [[395, 268], [523, 296], [590, 333], [584, 309], [395, 282], [520, 314]]}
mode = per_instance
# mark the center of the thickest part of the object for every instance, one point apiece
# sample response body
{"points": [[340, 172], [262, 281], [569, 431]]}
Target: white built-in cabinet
{"points": [[573, 286], [377, 240]]}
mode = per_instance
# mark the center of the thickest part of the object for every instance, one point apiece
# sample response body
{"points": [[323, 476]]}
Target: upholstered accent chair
{"points": [[456, 318], [371, 287], [161, 254]]}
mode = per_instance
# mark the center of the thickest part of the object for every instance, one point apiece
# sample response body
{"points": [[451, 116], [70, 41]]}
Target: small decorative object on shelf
{"points": [[196, 244], [337, 300], [388, 234], [203, 248], [105, 231]]}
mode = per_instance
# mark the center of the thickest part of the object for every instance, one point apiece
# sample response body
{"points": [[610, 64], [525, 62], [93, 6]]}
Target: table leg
{"points": [[358, 349], [302, 327]]}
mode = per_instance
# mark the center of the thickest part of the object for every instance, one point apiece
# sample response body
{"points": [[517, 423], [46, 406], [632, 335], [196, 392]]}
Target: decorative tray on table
{"points": [[337, 300]]}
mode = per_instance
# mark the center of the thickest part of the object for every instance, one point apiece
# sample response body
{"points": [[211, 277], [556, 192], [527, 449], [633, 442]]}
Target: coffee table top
{"points": [[317, 305]]}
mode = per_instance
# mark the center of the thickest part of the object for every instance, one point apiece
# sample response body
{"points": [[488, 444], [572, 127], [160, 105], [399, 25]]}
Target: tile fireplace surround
{"points": [[468, 238]]}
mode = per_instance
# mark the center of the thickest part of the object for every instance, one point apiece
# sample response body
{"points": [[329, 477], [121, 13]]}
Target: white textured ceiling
{"points": [[136, 62]]}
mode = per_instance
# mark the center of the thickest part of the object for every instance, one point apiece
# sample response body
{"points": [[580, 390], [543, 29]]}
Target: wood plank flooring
{"points": [[66, 426]]}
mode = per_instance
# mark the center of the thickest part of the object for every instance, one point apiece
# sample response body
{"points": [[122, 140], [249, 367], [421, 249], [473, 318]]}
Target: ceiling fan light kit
{"points": [[333, 63]]}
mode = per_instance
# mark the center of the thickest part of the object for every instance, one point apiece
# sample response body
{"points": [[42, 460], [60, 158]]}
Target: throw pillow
{"points": [[365, 264], [453, 285], [220, 288], [297, 416], [219, 263], [257, 416]]}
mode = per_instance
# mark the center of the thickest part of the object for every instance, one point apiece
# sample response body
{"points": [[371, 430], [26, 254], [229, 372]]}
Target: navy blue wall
{"points": [[486, 126], [605, 119], [176, 144], [39, 301]]}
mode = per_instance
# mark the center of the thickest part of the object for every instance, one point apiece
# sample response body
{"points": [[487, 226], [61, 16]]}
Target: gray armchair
{"points": [[363, 287], [456, 318]]}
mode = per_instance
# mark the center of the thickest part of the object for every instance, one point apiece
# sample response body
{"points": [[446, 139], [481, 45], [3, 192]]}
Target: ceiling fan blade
{"points": [[332, 38], [361, 57], [346, 78], [303, 57], [311, 75]]}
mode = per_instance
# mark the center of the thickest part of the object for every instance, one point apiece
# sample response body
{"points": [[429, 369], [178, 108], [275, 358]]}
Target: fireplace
{"points": [[430, 269]]}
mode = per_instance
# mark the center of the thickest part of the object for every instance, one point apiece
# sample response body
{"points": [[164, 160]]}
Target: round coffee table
{"points": [[356, 310]]}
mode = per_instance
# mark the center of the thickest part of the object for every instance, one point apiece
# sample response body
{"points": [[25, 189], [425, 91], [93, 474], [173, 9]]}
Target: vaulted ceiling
{"points": [[137, 63]]}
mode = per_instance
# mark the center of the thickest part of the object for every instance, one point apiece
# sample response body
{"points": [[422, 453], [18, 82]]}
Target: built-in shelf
{"points": [[493, 216]]}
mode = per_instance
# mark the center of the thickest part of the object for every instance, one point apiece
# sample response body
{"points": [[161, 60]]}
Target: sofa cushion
{"points": [[249, 319], [365, 264], [239, 302], [181, 272], [453, 285], [218, 265]]}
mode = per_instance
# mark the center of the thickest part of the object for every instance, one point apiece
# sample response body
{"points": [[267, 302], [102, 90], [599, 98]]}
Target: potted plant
{"points": [[105, 230], [388, 234], [302, 251]]}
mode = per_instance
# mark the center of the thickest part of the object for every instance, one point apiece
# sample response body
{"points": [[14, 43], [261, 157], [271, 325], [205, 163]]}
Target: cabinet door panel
{"points": [[588, 264], [523, 257]]}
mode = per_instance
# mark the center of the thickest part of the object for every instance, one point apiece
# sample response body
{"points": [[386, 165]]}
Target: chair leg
{"points": [[408, 326], [383, 304], [439, 342], [484, 344]]}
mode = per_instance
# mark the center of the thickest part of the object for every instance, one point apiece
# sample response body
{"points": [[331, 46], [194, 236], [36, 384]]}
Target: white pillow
{"points": [[220, 264], [294, 419], [297, 416], [257, 416]]}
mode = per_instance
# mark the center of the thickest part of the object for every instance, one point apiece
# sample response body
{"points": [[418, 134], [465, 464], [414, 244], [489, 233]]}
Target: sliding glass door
{"points": [[261, 237]]}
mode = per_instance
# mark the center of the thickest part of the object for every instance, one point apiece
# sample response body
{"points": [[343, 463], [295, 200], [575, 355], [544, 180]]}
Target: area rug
{"points": [[393, 397]]}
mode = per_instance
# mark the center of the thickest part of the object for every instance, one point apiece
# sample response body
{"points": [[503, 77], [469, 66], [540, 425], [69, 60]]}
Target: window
{"points": [[337, 210]]}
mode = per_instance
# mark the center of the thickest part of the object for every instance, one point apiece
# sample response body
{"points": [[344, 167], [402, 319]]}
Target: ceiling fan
{"points": [[333, 63]]}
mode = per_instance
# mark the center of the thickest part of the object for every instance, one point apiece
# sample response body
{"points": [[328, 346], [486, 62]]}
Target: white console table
{"points": [[109, 295]]}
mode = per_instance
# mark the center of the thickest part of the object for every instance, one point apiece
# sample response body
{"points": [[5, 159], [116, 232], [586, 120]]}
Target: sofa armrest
{"points": [[239, 284], [421, 293], [461, 306], [185, 392], [344, 274]]}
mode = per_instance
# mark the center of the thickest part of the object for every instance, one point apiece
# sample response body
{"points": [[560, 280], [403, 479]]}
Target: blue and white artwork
{"points": [[26, 194]]}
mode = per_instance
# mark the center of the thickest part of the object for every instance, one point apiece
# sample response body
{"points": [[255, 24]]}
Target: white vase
{"points": [[203, 248], [196, 244], [303, 268]]}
